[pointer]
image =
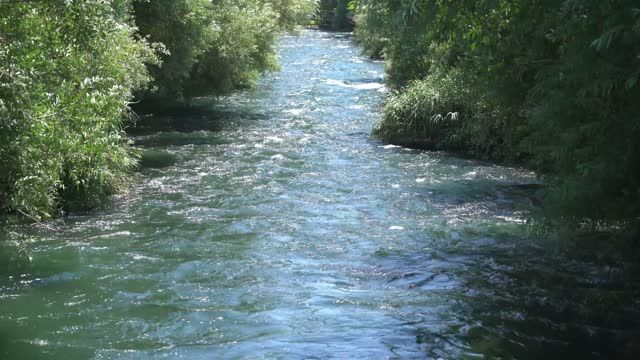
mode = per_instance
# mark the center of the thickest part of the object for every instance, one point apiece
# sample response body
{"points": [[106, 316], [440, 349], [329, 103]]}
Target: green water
{"points": [[272, 226]]}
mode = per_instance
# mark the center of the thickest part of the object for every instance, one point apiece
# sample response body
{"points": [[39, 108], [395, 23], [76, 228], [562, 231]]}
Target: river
{"points": [[282, 230]]}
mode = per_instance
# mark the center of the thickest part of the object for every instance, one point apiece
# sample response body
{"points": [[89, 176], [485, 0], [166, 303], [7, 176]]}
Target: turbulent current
{"points": [[277, 228]]}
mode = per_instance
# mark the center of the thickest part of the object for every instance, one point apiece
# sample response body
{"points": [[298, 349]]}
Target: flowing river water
{"points": [[281, 230]]}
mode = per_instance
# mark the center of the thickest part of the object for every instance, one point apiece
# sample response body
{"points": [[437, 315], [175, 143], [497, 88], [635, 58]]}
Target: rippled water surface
{"points": [[279, 229]]}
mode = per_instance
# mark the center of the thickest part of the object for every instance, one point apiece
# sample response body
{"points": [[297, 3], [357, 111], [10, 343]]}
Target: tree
{"points": [[214, 47]]}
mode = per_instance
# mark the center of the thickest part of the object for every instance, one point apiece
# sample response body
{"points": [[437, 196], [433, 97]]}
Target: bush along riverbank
{"points": [[552, 85], [69, 71]]}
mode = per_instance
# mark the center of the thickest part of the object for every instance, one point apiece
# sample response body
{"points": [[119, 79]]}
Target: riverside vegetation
{"points": [[271, 225], [69, 70], [552, 85]]}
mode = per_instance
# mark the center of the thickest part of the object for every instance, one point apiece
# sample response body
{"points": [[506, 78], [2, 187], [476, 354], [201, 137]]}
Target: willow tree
{"points": [[67, 74]]}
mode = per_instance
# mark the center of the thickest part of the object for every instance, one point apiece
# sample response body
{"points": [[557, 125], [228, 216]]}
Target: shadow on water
{"points": [[515, 301], [178, 138], [14, 259], [201, 114], [476, 191], [13, 346], [532, 309], [202, 122], [481, 285], [20, 275]]}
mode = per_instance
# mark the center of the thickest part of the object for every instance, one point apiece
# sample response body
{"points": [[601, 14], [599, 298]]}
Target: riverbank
{"points": [[66, 85], [503, 89]]}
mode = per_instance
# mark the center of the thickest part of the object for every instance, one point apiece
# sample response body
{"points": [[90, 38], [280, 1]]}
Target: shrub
{"points": [[67, 72], [441, 112]]}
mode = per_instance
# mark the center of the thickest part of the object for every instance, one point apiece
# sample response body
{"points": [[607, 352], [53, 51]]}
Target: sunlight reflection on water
{"points": [[284, 231]]}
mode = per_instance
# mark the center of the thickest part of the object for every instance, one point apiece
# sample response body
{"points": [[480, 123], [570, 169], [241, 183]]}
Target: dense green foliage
{"points": [[67, 72], [442, 112], [550, 83], [70, 69], [213, 47]]}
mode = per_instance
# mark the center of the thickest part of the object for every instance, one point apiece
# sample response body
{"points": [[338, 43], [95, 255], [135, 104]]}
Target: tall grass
{"points": [[443, 112]]}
